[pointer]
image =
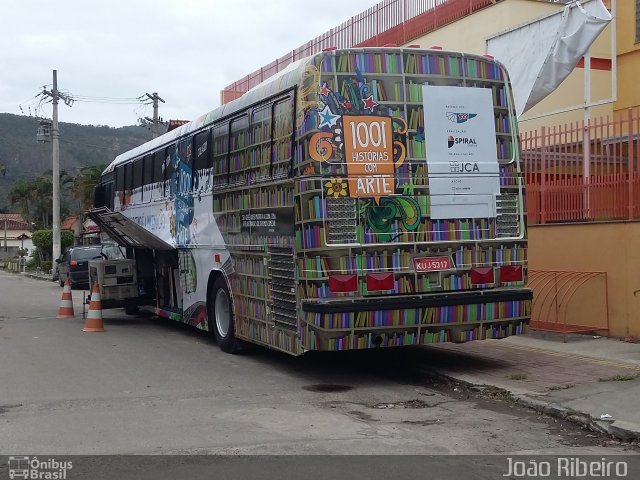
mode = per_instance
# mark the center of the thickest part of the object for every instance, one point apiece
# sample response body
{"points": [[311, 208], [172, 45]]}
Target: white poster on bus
{"points": [[460, 137]]}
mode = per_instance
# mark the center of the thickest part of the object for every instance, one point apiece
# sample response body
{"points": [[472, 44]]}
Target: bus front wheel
{"points": [[221, 316]]}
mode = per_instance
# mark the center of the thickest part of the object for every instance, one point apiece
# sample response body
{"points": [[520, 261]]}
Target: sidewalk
{"points": [[578, 377]]}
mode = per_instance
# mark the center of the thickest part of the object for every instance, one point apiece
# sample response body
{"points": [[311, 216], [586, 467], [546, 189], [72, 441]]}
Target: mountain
{"points": [[21, 156]]}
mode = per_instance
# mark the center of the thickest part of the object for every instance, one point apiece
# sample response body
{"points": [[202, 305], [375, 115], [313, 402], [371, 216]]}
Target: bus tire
{"points": [[220, 316]]}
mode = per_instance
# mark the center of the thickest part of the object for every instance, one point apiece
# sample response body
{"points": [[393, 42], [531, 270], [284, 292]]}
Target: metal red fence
{"points": [[581, 171], [389, 22]]}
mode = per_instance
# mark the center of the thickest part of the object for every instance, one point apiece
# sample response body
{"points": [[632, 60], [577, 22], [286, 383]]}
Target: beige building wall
{"points": [[507, 15], [628, 57], [598, 247]]}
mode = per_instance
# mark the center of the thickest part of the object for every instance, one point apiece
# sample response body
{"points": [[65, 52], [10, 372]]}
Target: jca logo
{"points": [[464, 167]]}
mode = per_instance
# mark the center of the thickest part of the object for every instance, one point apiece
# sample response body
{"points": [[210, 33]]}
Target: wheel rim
{"points": [[223, 314]]}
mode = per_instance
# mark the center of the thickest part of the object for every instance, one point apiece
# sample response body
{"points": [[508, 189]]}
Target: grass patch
{"points": [[620, 378], [518, 376]]}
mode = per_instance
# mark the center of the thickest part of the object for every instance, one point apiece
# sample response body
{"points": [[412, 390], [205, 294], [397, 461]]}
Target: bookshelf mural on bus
{"points": [[363, 137]]}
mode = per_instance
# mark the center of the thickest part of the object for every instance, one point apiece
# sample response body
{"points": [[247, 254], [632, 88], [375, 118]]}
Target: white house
{"points": [[15, 233]]}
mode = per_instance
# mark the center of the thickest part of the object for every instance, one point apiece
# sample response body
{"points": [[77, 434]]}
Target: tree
{"points": [[43, 239], [84, 184], [42, 200], [21, 195]]}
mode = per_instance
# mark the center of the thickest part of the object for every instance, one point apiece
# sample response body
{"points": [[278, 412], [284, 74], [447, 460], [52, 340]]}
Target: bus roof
{"points": [[290, 76], [286, 78]]}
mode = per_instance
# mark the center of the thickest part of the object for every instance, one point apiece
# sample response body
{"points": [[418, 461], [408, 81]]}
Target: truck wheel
{"points": [[221, 316]]}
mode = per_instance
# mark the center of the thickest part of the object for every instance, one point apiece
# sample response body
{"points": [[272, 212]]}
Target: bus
{"points": [[359, 198]]}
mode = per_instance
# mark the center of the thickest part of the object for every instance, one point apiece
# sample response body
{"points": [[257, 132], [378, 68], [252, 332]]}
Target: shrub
{"points": [[43, 239]]}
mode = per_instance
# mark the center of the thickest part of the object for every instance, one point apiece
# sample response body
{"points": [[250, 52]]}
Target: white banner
{"points": [[541, 54], [460, 141]]}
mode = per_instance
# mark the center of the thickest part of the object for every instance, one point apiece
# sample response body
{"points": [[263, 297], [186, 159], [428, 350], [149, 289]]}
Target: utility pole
{"points": [[156, 119], [55, 135], [56, 171]]}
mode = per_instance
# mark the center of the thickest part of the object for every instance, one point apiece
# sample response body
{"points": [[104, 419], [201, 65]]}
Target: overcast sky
{"points": [[186, 50]]}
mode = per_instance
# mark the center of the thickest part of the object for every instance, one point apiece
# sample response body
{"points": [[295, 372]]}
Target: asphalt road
{"points": [[151, 386]]}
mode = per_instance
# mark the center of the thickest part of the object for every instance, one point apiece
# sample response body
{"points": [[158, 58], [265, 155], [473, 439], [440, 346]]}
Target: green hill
{"points": [[22, 157]]}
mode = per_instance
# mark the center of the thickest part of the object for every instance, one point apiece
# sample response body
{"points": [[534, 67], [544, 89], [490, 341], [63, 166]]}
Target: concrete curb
{"points": [[36, 276], [618, 429]]}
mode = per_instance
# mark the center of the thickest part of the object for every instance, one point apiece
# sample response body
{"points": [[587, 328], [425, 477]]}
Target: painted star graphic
{"points": [[369, 103], [327, 118], [324, 90]]}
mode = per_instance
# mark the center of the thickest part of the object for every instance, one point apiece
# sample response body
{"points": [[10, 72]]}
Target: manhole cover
{"points": [[327, 388]]}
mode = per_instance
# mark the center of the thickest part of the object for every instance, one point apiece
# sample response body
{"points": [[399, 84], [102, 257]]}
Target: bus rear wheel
{"points": [[221, 316]]}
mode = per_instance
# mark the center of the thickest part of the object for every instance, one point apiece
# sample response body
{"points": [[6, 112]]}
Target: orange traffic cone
{"points": [[93, 322], [66, 304]]}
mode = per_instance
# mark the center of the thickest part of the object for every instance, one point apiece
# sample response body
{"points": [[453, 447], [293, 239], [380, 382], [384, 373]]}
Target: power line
{"points": [[34, 106], [87, 145], [112, 100]]}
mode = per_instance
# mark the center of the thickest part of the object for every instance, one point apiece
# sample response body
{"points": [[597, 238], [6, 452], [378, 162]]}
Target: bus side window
{"points": [[99, 196], [261, 145], [158, 175], [120, 174], [282, 150], [136, 180], [128, 184], [184, 164], [128, 177], [239, 160], [202, 162], [220, 168], [105, 197], [109, 194], [119, 178], [169, 177], [147, 177]]}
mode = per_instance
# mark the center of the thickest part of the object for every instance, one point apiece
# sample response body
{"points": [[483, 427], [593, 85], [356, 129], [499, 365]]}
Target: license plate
{"points": [[432, 264]]}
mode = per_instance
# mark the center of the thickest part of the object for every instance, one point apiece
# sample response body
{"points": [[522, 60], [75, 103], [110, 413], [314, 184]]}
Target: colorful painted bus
{"points": [[359, 198]]}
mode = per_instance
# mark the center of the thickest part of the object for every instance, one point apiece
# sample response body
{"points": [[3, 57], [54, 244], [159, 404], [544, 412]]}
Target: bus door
{"points": [[150, 251]]}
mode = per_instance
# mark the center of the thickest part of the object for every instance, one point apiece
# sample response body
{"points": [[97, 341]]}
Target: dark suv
{"points": [[74, 263]]}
